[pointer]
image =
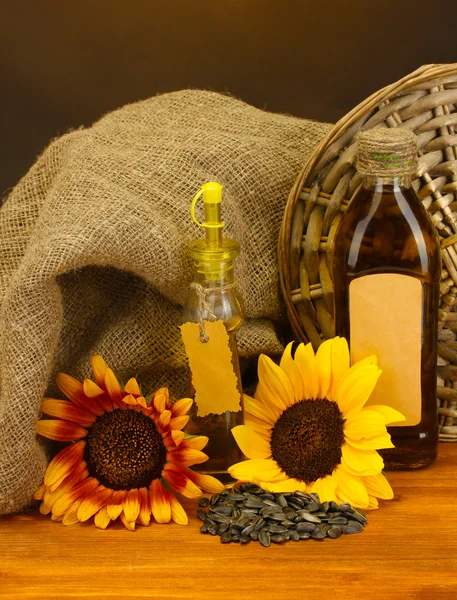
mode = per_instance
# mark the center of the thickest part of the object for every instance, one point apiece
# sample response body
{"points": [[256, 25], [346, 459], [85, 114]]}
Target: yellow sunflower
{"points": [[307, 428], [126, 457]]}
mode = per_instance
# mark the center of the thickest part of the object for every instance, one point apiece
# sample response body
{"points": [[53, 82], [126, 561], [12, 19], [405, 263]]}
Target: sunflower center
{"points": [[124, 450], [307, 438]]}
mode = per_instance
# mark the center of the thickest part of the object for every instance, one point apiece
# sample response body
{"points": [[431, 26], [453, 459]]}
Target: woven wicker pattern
{"points": [[425, 102]]}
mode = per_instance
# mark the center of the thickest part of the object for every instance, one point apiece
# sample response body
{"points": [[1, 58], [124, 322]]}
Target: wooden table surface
{"points": [[408, 550]]}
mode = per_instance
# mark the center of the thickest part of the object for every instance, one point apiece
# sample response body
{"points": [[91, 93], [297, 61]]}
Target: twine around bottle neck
{"points": [[384, 152], [203, 306]]}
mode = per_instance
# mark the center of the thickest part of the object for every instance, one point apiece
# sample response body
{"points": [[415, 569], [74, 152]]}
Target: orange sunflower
{"points": [[126, 457]]}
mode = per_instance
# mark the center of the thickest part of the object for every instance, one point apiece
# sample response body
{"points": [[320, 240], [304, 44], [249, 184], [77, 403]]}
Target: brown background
{"points": [[64, 63]]}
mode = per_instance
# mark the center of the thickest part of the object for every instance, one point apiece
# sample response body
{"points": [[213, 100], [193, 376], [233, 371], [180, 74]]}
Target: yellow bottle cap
{"points": [[214, 254]]}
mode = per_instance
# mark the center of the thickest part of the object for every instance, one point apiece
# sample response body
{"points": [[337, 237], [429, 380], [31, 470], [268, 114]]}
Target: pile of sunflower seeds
{"points": [[250, 513]]}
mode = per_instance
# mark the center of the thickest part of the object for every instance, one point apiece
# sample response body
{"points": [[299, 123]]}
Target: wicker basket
{"points": [[426, 103]]}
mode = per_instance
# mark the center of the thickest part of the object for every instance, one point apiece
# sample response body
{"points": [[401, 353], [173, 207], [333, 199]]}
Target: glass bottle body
{"points": [[387, 230], [225, 303]]}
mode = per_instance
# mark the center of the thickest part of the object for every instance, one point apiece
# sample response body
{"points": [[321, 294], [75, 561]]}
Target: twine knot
{"points": [[203, 307]]}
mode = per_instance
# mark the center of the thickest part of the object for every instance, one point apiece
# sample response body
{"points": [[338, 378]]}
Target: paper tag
{"points": [[386, 320], [215, 383]]}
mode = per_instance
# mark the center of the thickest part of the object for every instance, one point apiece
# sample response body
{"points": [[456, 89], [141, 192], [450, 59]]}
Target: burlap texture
{"points": [[93, 251]]}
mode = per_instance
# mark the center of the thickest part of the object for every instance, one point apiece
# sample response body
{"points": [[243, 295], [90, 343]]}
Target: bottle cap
{"points": [[385, 152], [214, 254]]}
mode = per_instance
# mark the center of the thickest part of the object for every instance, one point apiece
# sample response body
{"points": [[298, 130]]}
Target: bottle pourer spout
{"points": [[211, 193]]}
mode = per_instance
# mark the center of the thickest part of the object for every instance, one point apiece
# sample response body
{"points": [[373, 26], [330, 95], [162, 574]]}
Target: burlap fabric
{"points": [[93, 251]]}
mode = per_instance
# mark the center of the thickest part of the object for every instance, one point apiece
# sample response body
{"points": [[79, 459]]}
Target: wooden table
{"points": [[408, 550]]}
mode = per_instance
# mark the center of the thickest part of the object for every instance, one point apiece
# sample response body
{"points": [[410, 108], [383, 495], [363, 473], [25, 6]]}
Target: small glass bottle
{"points": [[386, 272], [213, 259]]}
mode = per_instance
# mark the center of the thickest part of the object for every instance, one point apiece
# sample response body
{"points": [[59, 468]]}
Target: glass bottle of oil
{"points": [[386, 272], [213, 259]]}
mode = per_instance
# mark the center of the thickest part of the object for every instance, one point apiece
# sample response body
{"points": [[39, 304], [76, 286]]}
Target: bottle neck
{"points": [[210, 279], [374, 183]]}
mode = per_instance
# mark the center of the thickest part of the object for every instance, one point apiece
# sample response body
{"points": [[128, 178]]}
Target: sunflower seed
{"points": [[235, 538], [215, 499], [359, 516], [310, 518], [259, 524], [288, 524], [247, 530], [305, 527], [223, 527], [222, 510], [345, 507], [267, 497], [313, 506], [295, 505], [290, 513], [281, 500], [237, 497], [324, 507], [236, 513], [269, 502], [302, 495], [338, 521], [254, 535], [264, 538], [248, 513], [278, 539], [243, 521], [353, 527], [304, 536], [219, 518], [253, 488], [203, 529], [332, 506], [294, 535], [203, 502], [277, 516], [277, 529], [318, 534], [201, 514], [335, 532], [245, 539], [212, 529], [208, 522], [254, 504]]}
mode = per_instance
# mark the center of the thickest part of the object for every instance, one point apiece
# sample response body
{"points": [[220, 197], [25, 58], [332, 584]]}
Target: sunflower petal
{"points": [[128, 524], [305, 360], [91, 389], [144, 516], [161, 400], [160, 502], [373, 443], [365, 423], [290, 368], [68, 411], [205, 482], [187, 457], [197, 442], [39, 494], [340, 364], [81, 490], [326, 488], [132, 505], [356, 387], [274, 385], [112, 386], [288, 485], [178, 480], [178, 514], [101, 519], [262, 428], [372, 503], [93, 503], [181, 407], [115, 505], [65, 485], [71, 517], [351, 488], [60, 431], [99, 368], [250, 443], [178, 437], [179, 423], [62, 464], [361, 462], [378, 486], [264, 469], [132, 387], [73, 389], [388, 414], [323, 366], [164, 419], [254, 407]]}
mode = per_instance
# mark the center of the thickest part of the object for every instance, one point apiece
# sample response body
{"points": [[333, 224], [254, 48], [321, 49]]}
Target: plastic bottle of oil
{"points": [[213, 258], [386, 271]]}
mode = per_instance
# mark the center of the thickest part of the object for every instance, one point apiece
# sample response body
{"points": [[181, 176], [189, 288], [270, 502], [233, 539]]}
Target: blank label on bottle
{"points": [[385, 313], [213, 377]]}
